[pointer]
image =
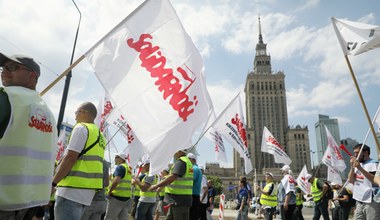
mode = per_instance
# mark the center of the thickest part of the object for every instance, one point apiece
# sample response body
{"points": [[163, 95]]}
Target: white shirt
{"points": [[203, 185], [77, 143], [362, 186]]}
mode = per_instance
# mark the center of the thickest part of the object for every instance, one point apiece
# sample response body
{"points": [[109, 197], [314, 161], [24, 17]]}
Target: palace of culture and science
{"points": [[266, 106]]}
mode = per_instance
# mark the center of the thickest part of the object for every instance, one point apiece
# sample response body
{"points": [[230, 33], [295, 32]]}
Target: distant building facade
{"points": [[299, 148]]}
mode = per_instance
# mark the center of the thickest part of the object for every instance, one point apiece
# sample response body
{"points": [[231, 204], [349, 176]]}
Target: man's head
{"points": [[86, 113], [120, 158], [269, 177], [180, 153], [285, 169], [364, 154], [335, 185], [19, 70], [146, 165], [192, 158], [309, 178]]}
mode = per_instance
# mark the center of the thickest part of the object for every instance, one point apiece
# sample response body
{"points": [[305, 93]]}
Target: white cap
{"points": [[307, 177], [121, 155], [201, 167], [147, 161], [191, 156], [285, 168], [270, 174]]}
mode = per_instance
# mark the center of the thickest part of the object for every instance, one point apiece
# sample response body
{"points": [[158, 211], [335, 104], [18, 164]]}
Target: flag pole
{"points": [[362, 102], [220, 115], [67, 71]]}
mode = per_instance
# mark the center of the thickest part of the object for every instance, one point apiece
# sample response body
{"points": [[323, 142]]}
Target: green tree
{"points": [[218, 186]]}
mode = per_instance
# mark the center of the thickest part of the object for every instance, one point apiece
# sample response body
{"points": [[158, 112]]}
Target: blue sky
{"points": [[299, 34]]}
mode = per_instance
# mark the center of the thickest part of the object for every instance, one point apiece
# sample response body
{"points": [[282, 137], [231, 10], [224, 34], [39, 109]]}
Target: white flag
{"points": [[231, 125], [105, 108], [356, 38], [333, 175], [332, 156], [377, 120], [302, 182], [221, 207], [270, 145], [155, 75], [213, 135]]}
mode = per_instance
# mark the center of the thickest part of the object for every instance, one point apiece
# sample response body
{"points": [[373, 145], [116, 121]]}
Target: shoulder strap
{"points": [[90, 147]]}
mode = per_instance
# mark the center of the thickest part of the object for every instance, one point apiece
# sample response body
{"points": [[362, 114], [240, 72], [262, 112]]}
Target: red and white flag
{"points": [[270, 145], [213, 135], [356, 38], [61, 144], [332, 156], [303, 184], [105, 108], [155, 75], [221, 207], [231, 125]]}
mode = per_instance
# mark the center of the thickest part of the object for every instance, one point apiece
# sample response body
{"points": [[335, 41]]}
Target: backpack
{"points": [[329, 193]]}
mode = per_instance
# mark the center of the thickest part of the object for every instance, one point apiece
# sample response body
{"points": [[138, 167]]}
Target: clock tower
{"points": [[261, 62]]}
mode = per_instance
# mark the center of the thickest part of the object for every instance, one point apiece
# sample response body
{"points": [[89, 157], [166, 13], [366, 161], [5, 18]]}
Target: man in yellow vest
{"points": [[268, 198], [28, 140], [80, 172], [179, 187], [147, 198], [120, 192], [319, 192]]}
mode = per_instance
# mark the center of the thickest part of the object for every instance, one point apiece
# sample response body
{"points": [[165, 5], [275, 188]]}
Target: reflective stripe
{"points": [[85, 175], [14, 179], [25, 152], [181, 187], [123, 188], [91, 158]]}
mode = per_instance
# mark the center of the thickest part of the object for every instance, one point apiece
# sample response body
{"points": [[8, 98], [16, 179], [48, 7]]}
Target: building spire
{"points": [[260, 35]]}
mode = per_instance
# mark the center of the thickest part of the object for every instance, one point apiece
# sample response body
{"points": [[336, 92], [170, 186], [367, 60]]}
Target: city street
{"points": [[231, 214]]}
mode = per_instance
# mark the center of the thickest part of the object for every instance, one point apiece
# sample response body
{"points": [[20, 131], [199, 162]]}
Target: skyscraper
{"points": [[320, 133], [266, 106]]}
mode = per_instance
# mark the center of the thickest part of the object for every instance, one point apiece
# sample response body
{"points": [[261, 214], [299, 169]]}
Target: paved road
{"points": [[231, 214]]}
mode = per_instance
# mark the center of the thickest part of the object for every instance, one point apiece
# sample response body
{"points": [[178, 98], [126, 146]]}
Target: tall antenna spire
{"points": [[260, 35]]}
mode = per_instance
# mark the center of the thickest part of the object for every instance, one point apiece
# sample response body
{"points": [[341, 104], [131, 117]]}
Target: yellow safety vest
{"points": [[87, 172], [123, 189], [270, 200], [299, 200], [27, 151], [148, 193], [315, 192], [182, 185], [136, 191]]}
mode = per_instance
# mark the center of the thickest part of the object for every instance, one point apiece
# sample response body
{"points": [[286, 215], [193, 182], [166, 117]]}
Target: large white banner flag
{"points": [[213, 135], [356, 38], [332, 156], [270, 145], [333, 175], [303, 184], [231, 125], [155, 75]]}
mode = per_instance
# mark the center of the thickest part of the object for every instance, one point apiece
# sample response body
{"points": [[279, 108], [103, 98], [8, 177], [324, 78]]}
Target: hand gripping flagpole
{"points": [[363, 103]]}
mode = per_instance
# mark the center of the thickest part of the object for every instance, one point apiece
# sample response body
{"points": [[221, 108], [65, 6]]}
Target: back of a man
{"points": [[197, 181], [80, 172], [28, 137]]}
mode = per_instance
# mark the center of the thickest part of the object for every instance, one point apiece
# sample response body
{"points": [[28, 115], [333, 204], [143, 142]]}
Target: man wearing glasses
{"points": [[27, 140], [80, 172]]}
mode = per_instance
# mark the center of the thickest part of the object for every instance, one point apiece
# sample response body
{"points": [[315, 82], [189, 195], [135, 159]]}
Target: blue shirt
{"points": [[197, 181], [243, 195]]}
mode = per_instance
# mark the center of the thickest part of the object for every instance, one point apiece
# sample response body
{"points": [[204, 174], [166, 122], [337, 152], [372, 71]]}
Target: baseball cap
{"points": [[121, 155], [201, 167], [21, 59], [307, 177], [285, 168], [270, 174], [192, 156], [147, 161]]}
